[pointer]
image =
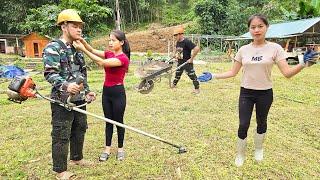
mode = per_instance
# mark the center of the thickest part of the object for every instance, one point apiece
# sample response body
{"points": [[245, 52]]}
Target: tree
{"points": [[118, 20], [309, 8], [212, 14], [43, 19], [14, 12]]}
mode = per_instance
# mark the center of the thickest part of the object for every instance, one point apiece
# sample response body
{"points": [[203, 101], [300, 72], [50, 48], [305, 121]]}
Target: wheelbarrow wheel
{"points": [[145, 86]]}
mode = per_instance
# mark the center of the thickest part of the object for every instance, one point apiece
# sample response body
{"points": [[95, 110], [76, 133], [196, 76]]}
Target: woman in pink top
{"points": [[115, 63], [256, 60]]}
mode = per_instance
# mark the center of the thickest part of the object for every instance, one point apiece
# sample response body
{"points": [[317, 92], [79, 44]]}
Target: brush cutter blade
{"points": [[182, 150]]}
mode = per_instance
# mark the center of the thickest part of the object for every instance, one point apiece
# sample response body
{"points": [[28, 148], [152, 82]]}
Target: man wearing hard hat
{"points": [[186, 50], [63, 67]]}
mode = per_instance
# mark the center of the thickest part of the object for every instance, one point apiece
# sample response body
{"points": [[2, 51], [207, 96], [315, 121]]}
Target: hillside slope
{"points": [[156, 38]]}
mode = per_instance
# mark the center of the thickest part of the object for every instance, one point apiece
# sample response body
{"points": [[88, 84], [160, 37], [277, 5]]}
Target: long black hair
{"points": [[122, 37]]}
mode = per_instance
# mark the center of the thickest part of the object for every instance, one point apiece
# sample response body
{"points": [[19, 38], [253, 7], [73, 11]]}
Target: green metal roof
{"points": [[287, 29]]}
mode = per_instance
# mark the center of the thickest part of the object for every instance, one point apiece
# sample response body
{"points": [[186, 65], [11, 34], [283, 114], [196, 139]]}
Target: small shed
{"points": [[34, 44], [10, 43]]}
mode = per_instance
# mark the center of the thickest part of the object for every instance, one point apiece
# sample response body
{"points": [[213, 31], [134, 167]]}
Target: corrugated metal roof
{"points": [[11, 35], [287, 29]]}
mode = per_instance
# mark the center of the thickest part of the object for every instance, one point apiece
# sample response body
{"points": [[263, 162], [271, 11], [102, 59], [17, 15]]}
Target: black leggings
{"points": [[262, 99], [190, 72], [114, 105]]}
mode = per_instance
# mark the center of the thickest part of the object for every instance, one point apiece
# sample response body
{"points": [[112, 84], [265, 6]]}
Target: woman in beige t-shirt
{"points": [[257, 60]]}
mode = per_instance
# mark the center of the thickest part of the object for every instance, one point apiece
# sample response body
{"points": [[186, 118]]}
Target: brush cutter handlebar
{"points": [[79, 80]]}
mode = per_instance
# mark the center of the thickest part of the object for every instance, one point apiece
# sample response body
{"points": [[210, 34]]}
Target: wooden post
{"points": [[17, 42], [173, 45], [207, 42]]}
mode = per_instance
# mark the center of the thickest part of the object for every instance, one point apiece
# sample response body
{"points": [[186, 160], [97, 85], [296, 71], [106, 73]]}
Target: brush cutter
{"points": [[22, 88]]}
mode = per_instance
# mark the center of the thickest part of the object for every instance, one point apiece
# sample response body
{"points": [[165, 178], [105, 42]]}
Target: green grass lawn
{"points": [[205, 124]]}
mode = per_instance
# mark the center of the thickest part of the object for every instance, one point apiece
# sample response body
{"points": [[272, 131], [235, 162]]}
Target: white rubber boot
{"points": [[258, 143], [241, 152]]}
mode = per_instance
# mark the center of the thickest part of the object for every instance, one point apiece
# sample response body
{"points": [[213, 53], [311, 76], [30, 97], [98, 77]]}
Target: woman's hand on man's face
{"points": [[78, 45]]}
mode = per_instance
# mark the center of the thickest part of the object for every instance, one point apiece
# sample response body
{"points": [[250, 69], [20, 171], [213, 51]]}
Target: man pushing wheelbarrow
{"points": [[153, 71], [184, 53]]}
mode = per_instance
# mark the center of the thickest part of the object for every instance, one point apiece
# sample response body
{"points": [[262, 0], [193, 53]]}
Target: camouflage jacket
{"points": [[62, 65]]}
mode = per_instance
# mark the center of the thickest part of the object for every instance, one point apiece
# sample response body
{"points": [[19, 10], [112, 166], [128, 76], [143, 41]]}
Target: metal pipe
{"points": [[183, 64], [124, 126], [180, 148]]}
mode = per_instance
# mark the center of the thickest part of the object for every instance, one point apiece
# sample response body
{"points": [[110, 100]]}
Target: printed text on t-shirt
{"points": [[257, 58]]}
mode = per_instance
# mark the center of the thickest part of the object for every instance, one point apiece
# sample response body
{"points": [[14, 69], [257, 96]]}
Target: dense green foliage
{"points": [[176, 14], [13, 12], [308, 8], [227, 17], [43, 19]]}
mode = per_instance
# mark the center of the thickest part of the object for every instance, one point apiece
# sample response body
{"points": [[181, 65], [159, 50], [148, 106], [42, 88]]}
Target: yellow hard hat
{"points": [[68, 15], [178, 30]]}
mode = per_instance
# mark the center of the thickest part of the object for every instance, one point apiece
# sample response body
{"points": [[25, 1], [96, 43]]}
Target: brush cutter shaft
{"points": [[109, 121], [21, 89], [124, 126]]}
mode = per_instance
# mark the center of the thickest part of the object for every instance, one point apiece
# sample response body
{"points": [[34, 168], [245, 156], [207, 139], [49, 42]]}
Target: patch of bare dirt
{"points": [[156, 38]]}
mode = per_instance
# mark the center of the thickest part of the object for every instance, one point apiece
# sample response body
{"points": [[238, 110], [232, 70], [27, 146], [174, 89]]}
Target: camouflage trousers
{"points": [[190, 72], [68, 127]]}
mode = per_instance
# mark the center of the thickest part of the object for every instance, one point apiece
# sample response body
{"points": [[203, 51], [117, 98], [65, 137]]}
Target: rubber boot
{"points": [[258, 143], [241, 152]]}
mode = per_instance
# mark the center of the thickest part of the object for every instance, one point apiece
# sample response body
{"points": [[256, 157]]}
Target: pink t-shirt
{"points": [[257, 64], [115, 75]]}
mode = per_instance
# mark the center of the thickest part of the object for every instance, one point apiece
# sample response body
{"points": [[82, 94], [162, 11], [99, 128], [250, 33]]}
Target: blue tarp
{"points": [[11, 72]]}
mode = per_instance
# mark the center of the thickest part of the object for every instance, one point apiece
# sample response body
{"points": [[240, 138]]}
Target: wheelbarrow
{"points": [[152, 72]]}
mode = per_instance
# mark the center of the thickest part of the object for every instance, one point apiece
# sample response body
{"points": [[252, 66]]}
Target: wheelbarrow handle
{"points": [[170, 60], [179, 67]]}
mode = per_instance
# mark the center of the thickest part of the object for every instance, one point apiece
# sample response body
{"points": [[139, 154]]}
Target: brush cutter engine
{"points": [[21, 88]]}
